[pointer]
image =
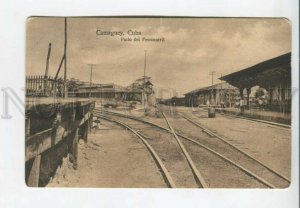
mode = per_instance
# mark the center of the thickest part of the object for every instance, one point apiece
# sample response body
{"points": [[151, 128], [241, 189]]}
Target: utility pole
{"points": [[47, 61], [91, 76], [46, 71], [144, 82], [65, 62], [222, 95], [212, 73]]}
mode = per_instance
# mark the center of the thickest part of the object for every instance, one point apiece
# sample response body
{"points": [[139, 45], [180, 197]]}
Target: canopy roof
{"points": [[267, 74]]}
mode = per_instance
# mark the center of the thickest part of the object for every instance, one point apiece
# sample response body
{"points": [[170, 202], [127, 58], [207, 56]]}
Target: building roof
{"points": [[138, 84], [218, 86], [110, 87], [142, 78], [86, 87], [265, 74]]}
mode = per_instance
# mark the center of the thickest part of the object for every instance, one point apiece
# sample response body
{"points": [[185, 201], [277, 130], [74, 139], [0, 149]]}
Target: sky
{"points": [[193, 47]]}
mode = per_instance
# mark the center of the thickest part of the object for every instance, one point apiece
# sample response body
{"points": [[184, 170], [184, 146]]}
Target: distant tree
{"points": [[72, 85], [260, 92]]}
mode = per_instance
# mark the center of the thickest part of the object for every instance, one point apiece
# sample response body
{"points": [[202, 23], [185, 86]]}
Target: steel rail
{"points": [[229, 143], [248, 172], [166, 175], [195, 142], [198, 176]]}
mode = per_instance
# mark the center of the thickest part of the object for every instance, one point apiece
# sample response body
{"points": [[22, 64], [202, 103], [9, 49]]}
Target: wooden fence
{"points": [[41, 86]]}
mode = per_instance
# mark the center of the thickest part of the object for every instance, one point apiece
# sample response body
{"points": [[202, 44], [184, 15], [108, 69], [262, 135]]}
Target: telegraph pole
{"points": [[91, 77], [144, 82], [46, 71], [65, 62], [47, 61], [212, 73]]}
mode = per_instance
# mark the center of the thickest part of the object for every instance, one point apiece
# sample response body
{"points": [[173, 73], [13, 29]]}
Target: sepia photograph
{"points": [[158, 102]]}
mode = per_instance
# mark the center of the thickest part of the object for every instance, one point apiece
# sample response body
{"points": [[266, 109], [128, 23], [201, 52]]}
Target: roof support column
{"points": [[248, 97], [241, 90]]}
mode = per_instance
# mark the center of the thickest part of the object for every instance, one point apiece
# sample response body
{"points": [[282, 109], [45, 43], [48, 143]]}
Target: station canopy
{"points": [[267, 74]]}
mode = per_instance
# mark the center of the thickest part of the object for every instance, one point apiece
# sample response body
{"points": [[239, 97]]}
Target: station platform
{"points": [[272, 116], [51, 101]]}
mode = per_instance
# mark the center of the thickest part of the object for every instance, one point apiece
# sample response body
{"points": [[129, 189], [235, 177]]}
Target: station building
{"points": [[107, 91], [220, 95], [140, 90], [174, 101], [274, 75]]}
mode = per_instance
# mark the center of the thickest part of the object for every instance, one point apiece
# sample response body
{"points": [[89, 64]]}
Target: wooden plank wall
{"points": [[63, 136]]}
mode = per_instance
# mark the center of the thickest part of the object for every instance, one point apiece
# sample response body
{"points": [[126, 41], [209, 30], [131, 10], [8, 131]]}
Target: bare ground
{"points": [[269, 144], [113, 157]]}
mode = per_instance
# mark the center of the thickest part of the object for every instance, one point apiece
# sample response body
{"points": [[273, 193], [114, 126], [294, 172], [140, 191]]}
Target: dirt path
{"points": [[110, 159]]}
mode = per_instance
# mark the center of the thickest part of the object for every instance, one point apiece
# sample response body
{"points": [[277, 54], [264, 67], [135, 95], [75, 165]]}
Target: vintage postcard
{"points": [[158, 102]]}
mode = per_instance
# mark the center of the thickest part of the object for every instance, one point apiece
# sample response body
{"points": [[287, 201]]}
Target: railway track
{"points": [[166, 175], [173, 160], [212, 158], [226, 148]]}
